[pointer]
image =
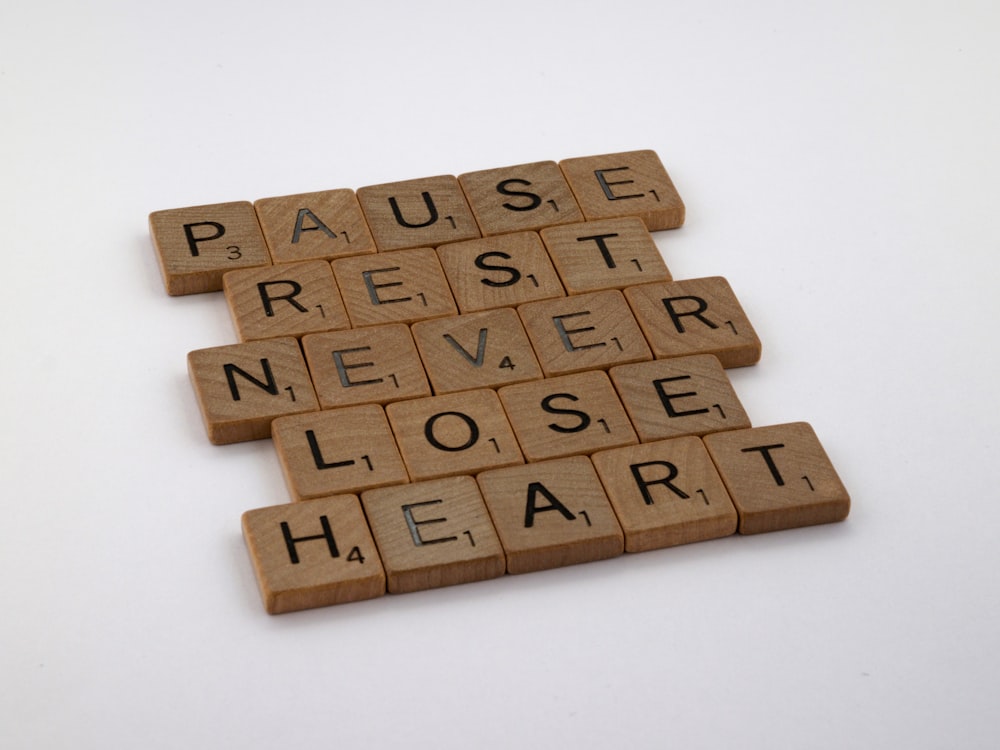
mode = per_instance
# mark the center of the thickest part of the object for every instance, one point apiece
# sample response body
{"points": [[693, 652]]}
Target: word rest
{"points": [[474, 376]]}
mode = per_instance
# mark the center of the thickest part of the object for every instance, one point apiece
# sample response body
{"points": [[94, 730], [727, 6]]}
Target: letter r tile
{"points": [[779, 477], [434, 533], [313, 554]]}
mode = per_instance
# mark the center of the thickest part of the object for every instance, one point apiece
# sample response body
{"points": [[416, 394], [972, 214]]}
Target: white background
{"points": [[839, 163]]}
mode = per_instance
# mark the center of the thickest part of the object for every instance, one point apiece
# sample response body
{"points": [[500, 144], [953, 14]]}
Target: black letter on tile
{"points": [[431, 210], [667, 398], [327, 534], [765, 452], [702, 305], [299, 229], [606, 186], [470, 423], [583, 416], [193, 241], [267, 299], [644, 484], [515, 275], [270, 385], [530, 509], [413, 524], [533, 202], [603, 246]]}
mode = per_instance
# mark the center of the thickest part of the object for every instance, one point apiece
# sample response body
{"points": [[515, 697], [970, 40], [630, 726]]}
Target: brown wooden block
{"points": [[196, 246], [399, 287], [695, 316], [289, 299], [413, 213], [503, 271], [666, 493], [567, 415], [668, 398], [241, 388], [633, 183], [313, 554], [526, 196], [373, 365], [337, 451], [479, 350], [779, 477], [551, 514], [456, 433], [433, 534], [314, 226], [583, 332], [609, 254]]}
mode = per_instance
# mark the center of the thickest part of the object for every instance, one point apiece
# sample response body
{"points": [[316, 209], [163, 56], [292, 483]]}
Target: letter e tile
{"points": [[779, 477], [313, 554]]}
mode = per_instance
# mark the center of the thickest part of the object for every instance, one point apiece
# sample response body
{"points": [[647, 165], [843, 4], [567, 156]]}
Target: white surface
{"points": [[839, 162]]}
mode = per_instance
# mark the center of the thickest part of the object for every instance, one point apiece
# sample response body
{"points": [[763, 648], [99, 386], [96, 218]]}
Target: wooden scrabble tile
{"points": [[400, 287], [608, 254], [479, 350], [526, 196], [372, 365], [666, 493], [779, 477], [313, 554], [566, 415], [551, 514], [289, 299], [632, 183], [415, 213], [196, 246], [456, 433], [583, 332], [503, 271], [668, 398], [241, 388], [337, 451], [695, 316], [433, 534], [314, 226]]}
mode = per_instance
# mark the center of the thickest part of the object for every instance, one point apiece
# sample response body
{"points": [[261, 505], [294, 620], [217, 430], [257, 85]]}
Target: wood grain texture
{"points": [[583, 332], [241, 388], [666, 493], [695, 316], [551, 514], [427, 212], [631, 183], [668, 398], [313, 554], [779, 477], [195, 246], [314, 226], [288, 299], [337, 451], [372, 365], [521, 197], [486, 349], [608, 254], [501, 271], [432, 534]]}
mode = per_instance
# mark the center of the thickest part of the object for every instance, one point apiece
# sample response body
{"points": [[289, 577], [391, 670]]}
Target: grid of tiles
{"points": [[489, 374]]}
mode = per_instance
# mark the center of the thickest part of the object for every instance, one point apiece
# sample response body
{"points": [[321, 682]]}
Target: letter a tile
{"points": [[779, 477], [313, 554]]}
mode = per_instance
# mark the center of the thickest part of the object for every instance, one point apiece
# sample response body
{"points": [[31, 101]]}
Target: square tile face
{"points": [[668, 398], [567, 415], [526, 196], [313, 554], [457, 433], [289, 299], [433, 534], [551, 514], [583, 332], [415, 213], [666, 493], [608, 254], [632, 183], [479, 350], [337, 451], [365, 366], [695, 316], [503, 271], [314, 226], [400, 287], [241, 388], [779, 477], [196, 246]]}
